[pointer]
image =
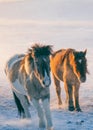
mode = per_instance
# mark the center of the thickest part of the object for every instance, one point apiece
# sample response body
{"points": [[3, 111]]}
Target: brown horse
{"points": [[69, 66], [29, 76]]}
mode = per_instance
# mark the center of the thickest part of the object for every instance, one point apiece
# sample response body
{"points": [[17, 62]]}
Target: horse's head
{"points": [[41, 63], [79, 64], [42, 70]]}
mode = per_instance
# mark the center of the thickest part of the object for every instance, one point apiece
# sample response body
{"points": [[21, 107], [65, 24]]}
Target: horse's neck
{"points": [[67, 67], [33, 78], [30, 77], [69, 73]]}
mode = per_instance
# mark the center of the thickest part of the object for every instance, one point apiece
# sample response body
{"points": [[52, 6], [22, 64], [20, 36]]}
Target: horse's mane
{"points": [[66, 53], [56, 52], [69, 50], [40, 50]]}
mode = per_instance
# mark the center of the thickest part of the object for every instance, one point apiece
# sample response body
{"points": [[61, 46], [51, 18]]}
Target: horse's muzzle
{"points": [[83, 79], [46, 83]]}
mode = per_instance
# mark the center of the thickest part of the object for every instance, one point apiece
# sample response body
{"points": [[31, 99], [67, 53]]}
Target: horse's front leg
{"points": [[58, 90], [69, 96], [76, 98], [40, 113], [46, 106]]}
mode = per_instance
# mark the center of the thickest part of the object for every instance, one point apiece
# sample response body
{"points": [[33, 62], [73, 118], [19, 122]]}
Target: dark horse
{"points": [[69, 66], [29, 76]]}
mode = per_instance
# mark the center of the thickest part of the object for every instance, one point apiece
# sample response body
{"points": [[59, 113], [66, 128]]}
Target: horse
{"points": [[29, 76], [70, 67]]}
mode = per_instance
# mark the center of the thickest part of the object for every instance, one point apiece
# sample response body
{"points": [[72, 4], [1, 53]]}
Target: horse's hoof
{"points": [[51, 128], [42, 125], [71, 108], [60, 106], [60, 103], [78, 110]]}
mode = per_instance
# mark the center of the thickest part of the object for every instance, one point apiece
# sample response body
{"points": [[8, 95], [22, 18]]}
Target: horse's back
{"points": [[14, 59], [12, 66], [56, 63], [58, 56]]}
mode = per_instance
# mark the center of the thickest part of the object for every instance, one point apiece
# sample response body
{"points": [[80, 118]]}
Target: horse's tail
{"points": [[18, 104]]}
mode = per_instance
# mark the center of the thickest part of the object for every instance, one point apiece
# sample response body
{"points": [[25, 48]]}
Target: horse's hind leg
{"points": [[40, 113], [58, 89], [18, 104], [25, 105]]}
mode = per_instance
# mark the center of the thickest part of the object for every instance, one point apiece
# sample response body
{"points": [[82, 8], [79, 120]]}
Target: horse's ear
{"points": [[85, 51], [33, 54], [74, 53]]}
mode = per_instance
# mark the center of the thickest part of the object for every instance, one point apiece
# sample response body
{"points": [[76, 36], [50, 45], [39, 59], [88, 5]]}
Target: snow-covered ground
{"points": [[61, 23]]}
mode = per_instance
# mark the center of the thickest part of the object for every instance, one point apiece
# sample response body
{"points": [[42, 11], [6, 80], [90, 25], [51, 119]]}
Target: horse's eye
{"points": [[80, 60], [37, 62]]}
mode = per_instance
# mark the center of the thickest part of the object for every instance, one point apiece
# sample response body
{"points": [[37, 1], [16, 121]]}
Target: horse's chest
{"points": [[69, 76], [35, 90]]}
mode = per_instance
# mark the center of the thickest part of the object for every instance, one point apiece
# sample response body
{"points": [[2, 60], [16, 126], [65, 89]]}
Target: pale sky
{"points": [[6, 1], [66, 23], [47, 9]]}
